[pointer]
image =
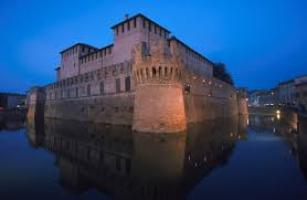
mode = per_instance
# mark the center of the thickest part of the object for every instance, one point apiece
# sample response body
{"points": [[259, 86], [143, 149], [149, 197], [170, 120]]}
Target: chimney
{"points": [[126, 16]]}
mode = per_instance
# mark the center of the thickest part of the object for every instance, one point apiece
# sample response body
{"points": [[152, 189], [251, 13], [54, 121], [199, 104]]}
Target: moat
{"points": [[234, 158]]}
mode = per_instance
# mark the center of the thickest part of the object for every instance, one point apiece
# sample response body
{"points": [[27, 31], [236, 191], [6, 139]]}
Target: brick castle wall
{"points": [[145, 79]]}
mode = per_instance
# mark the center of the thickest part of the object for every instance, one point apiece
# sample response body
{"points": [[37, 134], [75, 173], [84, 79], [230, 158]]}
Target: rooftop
{"points": [[185, 45], [142, 16], [81, 44], [286, 82]]}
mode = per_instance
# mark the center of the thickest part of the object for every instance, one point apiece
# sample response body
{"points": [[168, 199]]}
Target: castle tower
{"points": [[159, 104]]}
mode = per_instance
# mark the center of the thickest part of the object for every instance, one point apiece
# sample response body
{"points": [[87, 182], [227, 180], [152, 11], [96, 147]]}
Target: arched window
{"points": [[160, 71], [165, 71]]}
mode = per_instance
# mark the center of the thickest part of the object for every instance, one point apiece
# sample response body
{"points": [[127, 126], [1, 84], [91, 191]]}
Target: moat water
{"points": [[259, 157]]}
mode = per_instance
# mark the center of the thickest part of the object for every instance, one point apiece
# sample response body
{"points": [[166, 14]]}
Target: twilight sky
{"points": [[262, 42]]}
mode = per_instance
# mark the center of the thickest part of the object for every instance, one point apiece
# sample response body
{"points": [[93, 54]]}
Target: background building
{"points": [[11, 100], [259, 98], [287, 91], [301, 96]]}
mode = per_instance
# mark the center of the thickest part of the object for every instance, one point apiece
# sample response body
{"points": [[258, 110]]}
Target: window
{"points": [[128, 165], [88, 90], [118, 163], [134, 22], [127, 83], [144, 25], [117, 84], [128, 26], [123, 28], [187, 88], [149, 27], [102, 87], [77, 91]]}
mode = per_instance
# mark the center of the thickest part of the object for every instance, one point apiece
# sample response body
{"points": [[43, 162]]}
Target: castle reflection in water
{"points": [[131, 165]]}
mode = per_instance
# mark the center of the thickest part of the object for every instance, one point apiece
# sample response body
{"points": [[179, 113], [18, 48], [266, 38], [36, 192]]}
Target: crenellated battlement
{"points": [[156, 64]]}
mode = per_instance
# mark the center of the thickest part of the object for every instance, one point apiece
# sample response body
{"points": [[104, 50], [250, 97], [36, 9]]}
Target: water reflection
{"points": [[291, 127], [130, 165], [11, 125], [302, 145]]}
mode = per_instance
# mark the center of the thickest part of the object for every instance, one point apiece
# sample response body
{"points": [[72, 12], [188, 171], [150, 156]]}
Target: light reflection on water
{"points": [[220, 159]]}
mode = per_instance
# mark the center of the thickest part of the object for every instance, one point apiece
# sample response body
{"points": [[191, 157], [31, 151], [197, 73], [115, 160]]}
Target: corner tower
{"points": [[159, 104]]}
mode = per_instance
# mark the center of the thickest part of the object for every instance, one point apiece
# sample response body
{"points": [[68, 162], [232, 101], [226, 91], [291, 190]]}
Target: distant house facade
{"points": [[259, 98], [286, 92], [301, 96], [289, 92], [11, 100]]}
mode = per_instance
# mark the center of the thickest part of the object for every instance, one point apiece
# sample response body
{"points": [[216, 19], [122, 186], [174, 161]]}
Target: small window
{"points": [[117, 84], [128, 26], [118, 163], [88, 90], [123, 28], [187, 88], [149, 27], [127, 84], [77, 91], [102, 87], [128, 165], [134, 22]]}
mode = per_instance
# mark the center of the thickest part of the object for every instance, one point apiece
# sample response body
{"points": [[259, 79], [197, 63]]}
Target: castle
{"points": [[146, 79]]}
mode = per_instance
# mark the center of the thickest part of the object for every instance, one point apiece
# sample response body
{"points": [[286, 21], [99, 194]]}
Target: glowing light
{"points": [[278, 116], [278, 112]]}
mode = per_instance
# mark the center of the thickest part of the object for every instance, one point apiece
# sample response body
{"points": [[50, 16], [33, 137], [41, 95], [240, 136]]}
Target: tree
{"points": [[220, 72]]}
